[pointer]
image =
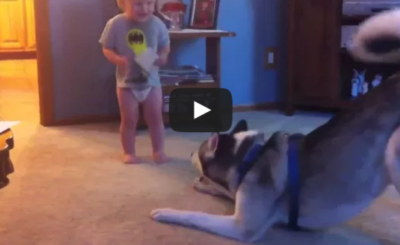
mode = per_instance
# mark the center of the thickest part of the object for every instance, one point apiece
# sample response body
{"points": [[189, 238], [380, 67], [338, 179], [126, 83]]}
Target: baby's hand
{"points": [[122, 62], [161, 61]]}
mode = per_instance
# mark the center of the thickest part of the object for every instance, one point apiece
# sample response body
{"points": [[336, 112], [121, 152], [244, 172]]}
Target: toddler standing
{"points": [[125, 38]]}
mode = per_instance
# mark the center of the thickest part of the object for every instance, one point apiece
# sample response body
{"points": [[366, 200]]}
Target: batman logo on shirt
{"points": [[136, 38], [136, 41]]}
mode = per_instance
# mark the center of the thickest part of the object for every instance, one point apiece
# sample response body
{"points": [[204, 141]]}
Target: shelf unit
{"points": [[213, 60], [319, 69]]}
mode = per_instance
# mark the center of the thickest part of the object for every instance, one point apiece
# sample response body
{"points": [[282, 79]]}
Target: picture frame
{"points": [[204, 14]]}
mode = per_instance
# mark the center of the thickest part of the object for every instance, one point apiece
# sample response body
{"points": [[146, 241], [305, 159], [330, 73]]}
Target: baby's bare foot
{"points": [[131, 159], [160, 158]]}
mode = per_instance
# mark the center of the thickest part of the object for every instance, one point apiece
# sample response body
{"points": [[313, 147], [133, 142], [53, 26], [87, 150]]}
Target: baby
{"points": [[137, 42]]}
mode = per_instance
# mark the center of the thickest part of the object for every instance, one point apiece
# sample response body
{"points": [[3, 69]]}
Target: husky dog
{"points": [[311, 181]]}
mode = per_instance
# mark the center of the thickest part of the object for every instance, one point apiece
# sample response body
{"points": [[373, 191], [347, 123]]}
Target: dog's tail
{"points": [[378, 38]]}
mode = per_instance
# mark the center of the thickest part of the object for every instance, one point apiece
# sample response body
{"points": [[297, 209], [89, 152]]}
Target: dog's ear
{"points": [[213, 142], [240, 127], [212, 146]]}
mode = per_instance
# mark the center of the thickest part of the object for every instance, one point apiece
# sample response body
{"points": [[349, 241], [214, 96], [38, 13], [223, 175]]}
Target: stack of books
{"points": [[184, 75]]}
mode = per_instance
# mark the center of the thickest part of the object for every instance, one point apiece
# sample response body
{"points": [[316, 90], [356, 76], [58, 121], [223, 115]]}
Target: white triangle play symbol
{"points": [[199, 110]]}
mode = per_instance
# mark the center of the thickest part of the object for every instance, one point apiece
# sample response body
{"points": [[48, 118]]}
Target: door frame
{"points": [[44, 63]]}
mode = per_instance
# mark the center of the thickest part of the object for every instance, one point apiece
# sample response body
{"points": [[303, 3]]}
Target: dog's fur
{"points": [[344, 164]]}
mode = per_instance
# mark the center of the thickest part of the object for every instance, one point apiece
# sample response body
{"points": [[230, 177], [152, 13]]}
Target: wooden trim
{"points": [[113, 118], [44, 62], [86, 120], [17, 55]]}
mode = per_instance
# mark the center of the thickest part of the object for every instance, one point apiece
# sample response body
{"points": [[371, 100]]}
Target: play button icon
{"points": [[199, 110]]}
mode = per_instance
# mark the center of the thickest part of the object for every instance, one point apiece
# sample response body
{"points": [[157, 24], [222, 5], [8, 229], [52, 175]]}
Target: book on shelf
{"points": [[185, 75]]}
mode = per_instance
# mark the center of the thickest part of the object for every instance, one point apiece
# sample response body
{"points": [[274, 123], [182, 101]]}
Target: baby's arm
{"points": [[107, 40], [114, 58], [163, 55], [163, 44]]}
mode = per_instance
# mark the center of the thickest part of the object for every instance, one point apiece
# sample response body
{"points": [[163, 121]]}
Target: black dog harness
{"points": [[293, 177]]}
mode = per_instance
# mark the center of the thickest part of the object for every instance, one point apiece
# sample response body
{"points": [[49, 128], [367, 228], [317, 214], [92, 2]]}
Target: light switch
{"points": [[270, 58]]}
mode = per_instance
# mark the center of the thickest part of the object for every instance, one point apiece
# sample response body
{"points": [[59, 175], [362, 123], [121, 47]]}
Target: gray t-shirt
{"points": [[129, 38]]}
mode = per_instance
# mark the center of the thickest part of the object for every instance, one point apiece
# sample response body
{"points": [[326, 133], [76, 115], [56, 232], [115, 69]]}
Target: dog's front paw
{"points": [[202, 186], [198, 184], [164, 214]]}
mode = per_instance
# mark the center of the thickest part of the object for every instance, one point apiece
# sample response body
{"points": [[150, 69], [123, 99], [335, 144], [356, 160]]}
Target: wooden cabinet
{"points": [[313, 48], [12, 24], [17, 25], [30, 25]]}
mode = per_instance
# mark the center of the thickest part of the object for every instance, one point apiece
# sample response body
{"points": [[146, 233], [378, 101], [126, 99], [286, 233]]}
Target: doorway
{"points": [[19, 93]]}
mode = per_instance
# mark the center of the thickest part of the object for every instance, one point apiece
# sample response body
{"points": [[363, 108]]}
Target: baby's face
{"points": [[139, 10]]}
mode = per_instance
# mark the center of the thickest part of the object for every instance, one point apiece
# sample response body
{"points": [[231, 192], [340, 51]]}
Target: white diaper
{"points": [[141, 95]]}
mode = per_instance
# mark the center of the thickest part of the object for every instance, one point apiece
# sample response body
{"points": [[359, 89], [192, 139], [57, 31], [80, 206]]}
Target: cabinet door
{"points": [[30, 25], [314, 48], [12, 34]]}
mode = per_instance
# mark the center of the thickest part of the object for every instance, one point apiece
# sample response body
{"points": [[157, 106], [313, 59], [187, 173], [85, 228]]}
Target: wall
{"points": [[84, 80]]}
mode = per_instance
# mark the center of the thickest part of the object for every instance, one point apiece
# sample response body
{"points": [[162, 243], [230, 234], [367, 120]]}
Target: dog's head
{"points": [[221, 153], [218, 157]]}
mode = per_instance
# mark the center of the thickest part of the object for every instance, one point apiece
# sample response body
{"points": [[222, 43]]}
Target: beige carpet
{"points": [[70, 188]]}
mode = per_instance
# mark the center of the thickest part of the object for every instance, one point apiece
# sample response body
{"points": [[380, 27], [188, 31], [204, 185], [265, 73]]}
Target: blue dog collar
{"points": [[248, 161], [293, 178]]}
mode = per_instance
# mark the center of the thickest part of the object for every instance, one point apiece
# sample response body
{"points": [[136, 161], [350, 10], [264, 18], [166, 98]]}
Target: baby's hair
{"points": [[121, 5]]}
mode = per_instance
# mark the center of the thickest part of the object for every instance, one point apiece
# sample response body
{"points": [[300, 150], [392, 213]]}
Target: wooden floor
{"points": [[19, 91]]}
